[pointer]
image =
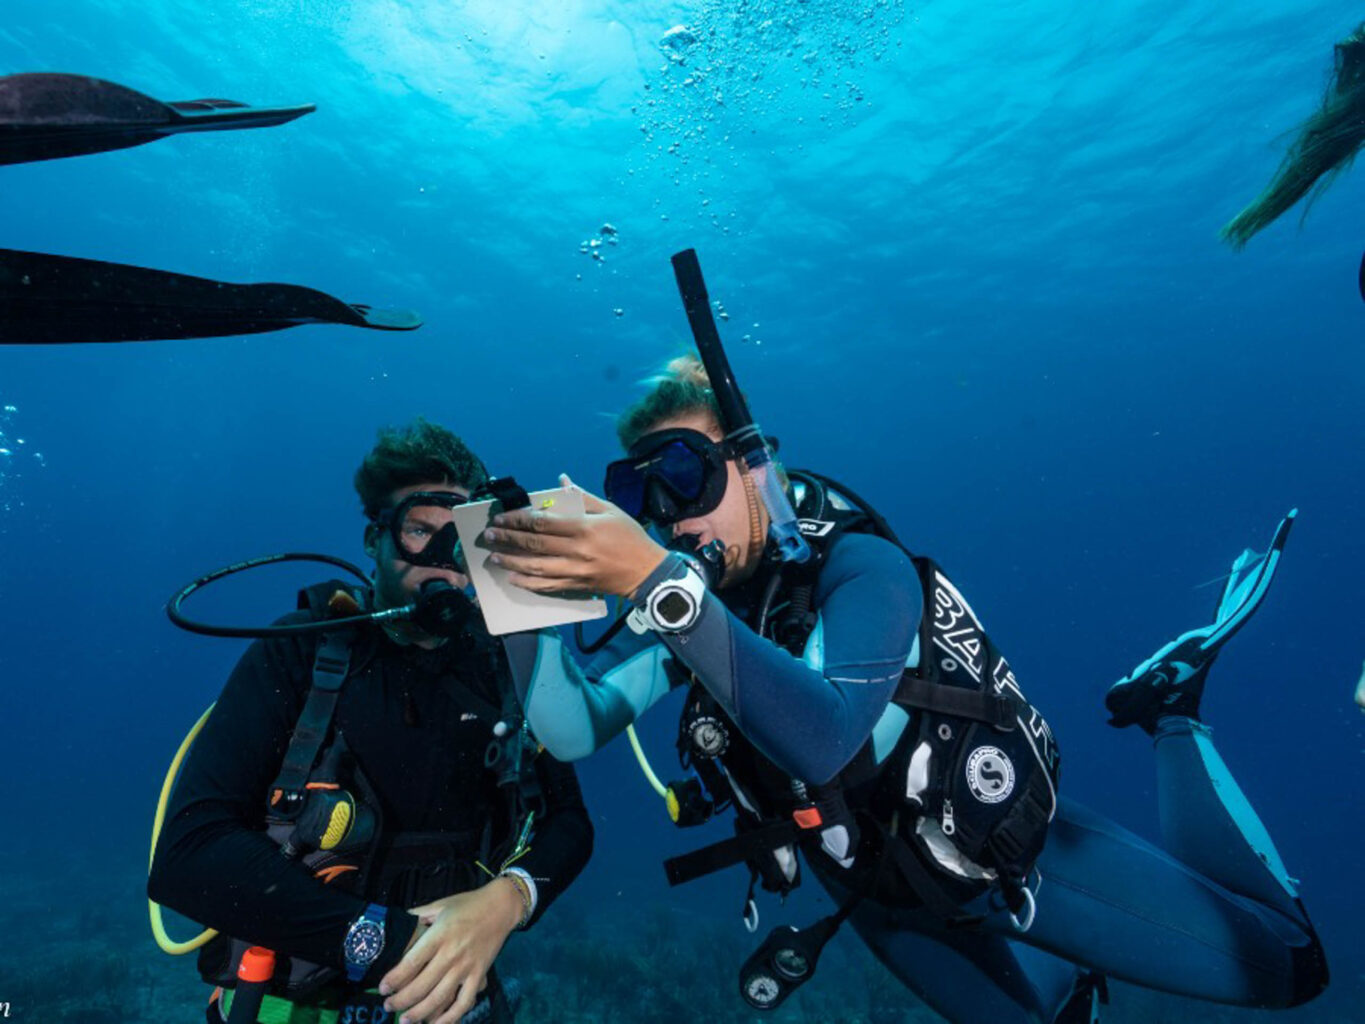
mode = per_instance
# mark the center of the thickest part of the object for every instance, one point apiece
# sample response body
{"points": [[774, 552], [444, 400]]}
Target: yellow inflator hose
{"points": [[158, 928], [670, 798]]}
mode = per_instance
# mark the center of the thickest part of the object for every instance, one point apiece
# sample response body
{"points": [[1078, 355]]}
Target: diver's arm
{"points": [[811, 716], [573, 709], [562, 840], [214, 862]]}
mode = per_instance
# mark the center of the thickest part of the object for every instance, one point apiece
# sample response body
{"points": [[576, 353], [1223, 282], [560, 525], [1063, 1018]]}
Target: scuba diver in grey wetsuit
{"points": [[844, 699]]}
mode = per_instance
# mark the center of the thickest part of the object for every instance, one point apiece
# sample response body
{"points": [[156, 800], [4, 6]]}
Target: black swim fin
{"points": [[49, 116], [1171, 681], [60, 299]]}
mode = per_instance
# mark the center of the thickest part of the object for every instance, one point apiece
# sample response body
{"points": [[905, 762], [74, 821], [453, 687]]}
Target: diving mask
{"points": [[669, 476], [422, 526]]}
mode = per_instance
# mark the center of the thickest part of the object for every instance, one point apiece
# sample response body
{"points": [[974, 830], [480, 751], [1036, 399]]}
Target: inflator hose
{"points": [[158, 927]]}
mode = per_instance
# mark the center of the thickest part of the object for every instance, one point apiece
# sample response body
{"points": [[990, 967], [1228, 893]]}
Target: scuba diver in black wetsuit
{"points": [[844, 699], [363, 802]]}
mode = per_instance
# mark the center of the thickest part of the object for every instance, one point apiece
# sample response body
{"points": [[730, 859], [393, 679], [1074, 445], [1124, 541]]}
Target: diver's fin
{"points": [[60, 299], [387, 319], [1171, 681], [49, 116]]}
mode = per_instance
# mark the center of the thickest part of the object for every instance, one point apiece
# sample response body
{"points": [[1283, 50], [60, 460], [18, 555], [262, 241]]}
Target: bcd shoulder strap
{"points": [[331, 665]]}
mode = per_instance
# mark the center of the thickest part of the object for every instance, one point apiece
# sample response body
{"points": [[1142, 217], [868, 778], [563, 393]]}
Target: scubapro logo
{"points": [[990, 775], [365, 1015]]}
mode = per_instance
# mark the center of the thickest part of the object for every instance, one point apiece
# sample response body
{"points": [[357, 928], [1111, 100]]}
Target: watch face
{"points": [[364, 942], [673, 607]]}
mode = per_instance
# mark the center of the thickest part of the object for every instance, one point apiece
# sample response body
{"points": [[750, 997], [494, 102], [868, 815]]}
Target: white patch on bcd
{"points": [[990, 775]]}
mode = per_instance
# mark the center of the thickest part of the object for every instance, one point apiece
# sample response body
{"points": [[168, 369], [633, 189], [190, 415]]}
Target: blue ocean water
{"points": [[969, 258]]}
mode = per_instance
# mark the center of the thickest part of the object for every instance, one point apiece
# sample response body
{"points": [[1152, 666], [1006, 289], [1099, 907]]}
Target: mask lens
{"points": [[660, 484], [424, 529], [419, 525], [682, 469], [625, 487]]}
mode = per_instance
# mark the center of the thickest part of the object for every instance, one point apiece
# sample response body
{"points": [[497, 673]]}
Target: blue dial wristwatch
{"points": [[364, 941]]}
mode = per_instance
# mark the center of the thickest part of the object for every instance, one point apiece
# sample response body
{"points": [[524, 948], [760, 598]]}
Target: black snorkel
{"points": [[736, 420]]}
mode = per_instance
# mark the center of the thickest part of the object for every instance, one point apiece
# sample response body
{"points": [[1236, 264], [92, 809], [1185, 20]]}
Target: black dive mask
{"points": [[668, 476], [422, 526]]}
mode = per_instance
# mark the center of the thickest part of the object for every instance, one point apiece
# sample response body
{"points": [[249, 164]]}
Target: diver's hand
{"points": [[603, 551], [442, 973]]}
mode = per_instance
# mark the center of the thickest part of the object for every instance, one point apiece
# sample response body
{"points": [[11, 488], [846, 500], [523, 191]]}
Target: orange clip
{"points": [[808, 817]]}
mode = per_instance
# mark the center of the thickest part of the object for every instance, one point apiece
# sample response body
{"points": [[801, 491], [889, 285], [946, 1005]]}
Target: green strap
{"points": [[275, 1010]]}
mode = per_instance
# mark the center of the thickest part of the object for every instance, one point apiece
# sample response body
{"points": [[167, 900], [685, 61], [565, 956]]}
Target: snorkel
{"points": [[736, 420]]}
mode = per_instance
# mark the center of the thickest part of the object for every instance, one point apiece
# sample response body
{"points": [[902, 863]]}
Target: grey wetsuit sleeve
{"points": [[810, 715]]}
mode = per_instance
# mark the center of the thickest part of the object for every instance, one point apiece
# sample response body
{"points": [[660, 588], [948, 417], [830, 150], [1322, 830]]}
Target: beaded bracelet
{"points": [[524, 891]]}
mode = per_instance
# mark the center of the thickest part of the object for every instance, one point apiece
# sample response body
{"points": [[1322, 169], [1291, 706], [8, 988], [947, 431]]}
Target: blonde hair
{"points": [[682, 389], [1326, 145]]}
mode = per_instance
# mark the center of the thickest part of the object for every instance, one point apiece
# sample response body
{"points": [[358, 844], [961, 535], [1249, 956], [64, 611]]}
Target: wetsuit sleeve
{"points": [[811, 715], [575, 709], [563, 839], [214, 862]]}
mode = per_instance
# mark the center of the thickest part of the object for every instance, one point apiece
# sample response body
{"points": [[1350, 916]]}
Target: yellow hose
{"points": [[654, 782], [158, 928], [671, 801]]}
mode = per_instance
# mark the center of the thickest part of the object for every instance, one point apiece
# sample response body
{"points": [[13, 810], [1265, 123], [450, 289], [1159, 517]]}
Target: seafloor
{"points": [[76, 948]]}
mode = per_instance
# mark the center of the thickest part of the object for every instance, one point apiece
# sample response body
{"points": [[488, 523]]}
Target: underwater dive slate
{"points": [[506, 607]]}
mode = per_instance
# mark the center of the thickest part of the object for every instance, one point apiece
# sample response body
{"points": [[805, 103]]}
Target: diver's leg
{"points": [[1207, 822], [966, 975], [1125, 908]]}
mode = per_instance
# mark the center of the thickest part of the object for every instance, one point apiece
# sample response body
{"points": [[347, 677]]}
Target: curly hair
{"points": [[421, 452]]}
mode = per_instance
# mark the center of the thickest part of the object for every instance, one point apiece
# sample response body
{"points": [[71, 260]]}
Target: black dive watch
{"points": [[364, 941]]}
